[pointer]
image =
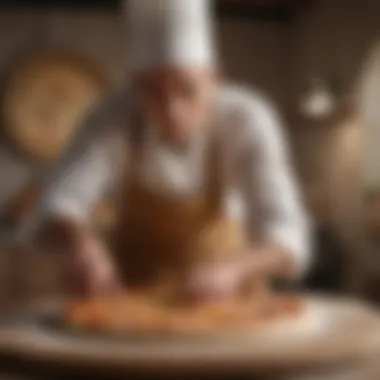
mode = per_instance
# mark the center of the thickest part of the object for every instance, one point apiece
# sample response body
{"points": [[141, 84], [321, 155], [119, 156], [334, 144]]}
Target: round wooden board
{"points": [[45, 99], [330, 331]]}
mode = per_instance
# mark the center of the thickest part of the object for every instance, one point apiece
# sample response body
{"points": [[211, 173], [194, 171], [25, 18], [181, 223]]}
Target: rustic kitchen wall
{"points": [[252, 52], [369, 108], [334, 38], [330, 38]]}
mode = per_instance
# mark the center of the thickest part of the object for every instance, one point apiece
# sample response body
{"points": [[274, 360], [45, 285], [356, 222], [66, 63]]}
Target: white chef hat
{"points": [[170, 32]]}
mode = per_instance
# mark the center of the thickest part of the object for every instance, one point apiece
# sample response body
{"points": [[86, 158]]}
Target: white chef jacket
{"points": [[260, 187]]}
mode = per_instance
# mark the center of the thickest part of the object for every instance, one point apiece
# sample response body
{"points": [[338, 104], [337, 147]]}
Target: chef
{"points": [[208, 198]]}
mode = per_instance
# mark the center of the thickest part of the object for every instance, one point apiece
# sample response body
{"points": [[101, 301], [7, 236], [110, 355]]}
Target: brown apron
{"points": [[159, 240]]}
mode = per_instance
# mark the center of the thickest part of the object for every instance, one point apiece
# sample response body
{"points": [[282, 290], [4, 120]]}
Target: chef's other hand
{"points": [[215, 281], [243, 275]]}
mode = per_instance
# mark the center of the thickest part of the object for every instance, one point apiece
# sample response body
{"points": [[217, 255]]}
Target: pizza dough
{"points": [[131, 313], [45, 99]]}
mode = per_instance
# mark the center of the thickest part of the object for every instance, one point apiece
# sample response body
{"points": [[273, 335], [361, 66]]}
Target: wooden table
{"points": [[39, 277], [365, 371]]}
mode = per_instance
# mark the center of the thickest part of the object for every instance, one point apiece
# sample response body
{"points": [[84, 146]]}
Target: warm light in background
{"points": [[318, 103]]}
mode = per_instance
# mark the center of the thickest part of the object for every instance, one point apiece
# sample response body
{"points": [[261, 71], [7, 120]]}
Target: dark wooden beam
{"points": [[231, 9], [101, 5], [254, 13]]}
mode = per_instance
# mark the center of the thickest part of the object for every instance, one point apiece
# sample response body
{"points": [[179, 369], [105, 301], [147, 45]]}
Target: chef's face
{"points": [[176, 102]]}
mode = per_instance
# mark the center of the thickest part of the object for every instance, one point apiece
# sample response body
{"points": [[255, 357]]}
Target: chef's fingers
{"points": [[76, 281], [114, 286], [211, 291], [82, 277], [202, 296], [102, 280], [253, 284]]}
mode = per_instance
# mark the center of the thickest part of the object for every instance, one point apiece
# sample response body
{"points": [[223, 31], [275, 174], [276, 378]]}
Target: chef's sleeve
{"points": [[273, 186], [81, 176]]}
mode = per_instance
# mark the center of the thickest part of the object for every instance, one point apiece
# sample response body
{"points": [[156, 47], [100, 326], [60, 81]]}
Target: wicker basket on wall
{"points": [[45, 98]]}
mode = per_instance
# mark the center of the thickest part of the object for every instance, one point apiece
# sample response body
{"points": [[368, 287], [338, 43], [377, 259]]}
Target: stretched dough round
{"points": [[45, 99]]}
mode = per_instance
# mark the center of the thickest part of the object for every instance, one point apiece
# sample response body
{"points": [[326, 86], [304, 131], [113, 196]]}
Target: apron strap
{"points": [[217, 172], [135, 135]]}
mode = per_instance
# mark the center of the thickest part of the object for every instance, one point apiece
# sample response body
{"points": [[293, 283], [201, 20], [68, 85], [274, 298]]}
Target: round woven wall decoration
{"points": [[45, 99]]}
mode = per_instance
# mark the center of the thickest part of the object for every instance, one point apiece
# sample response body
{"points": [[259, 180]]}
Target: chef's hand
{"points": [[87, 266], [90, 270], [214, 281], [243, 275]]}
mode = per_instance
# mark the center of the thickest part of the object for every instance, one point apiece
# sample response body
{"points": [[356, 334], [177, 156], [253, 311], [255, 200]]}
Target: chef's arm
{"points": [[79, 179], [64, 209], [273, 187]]}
